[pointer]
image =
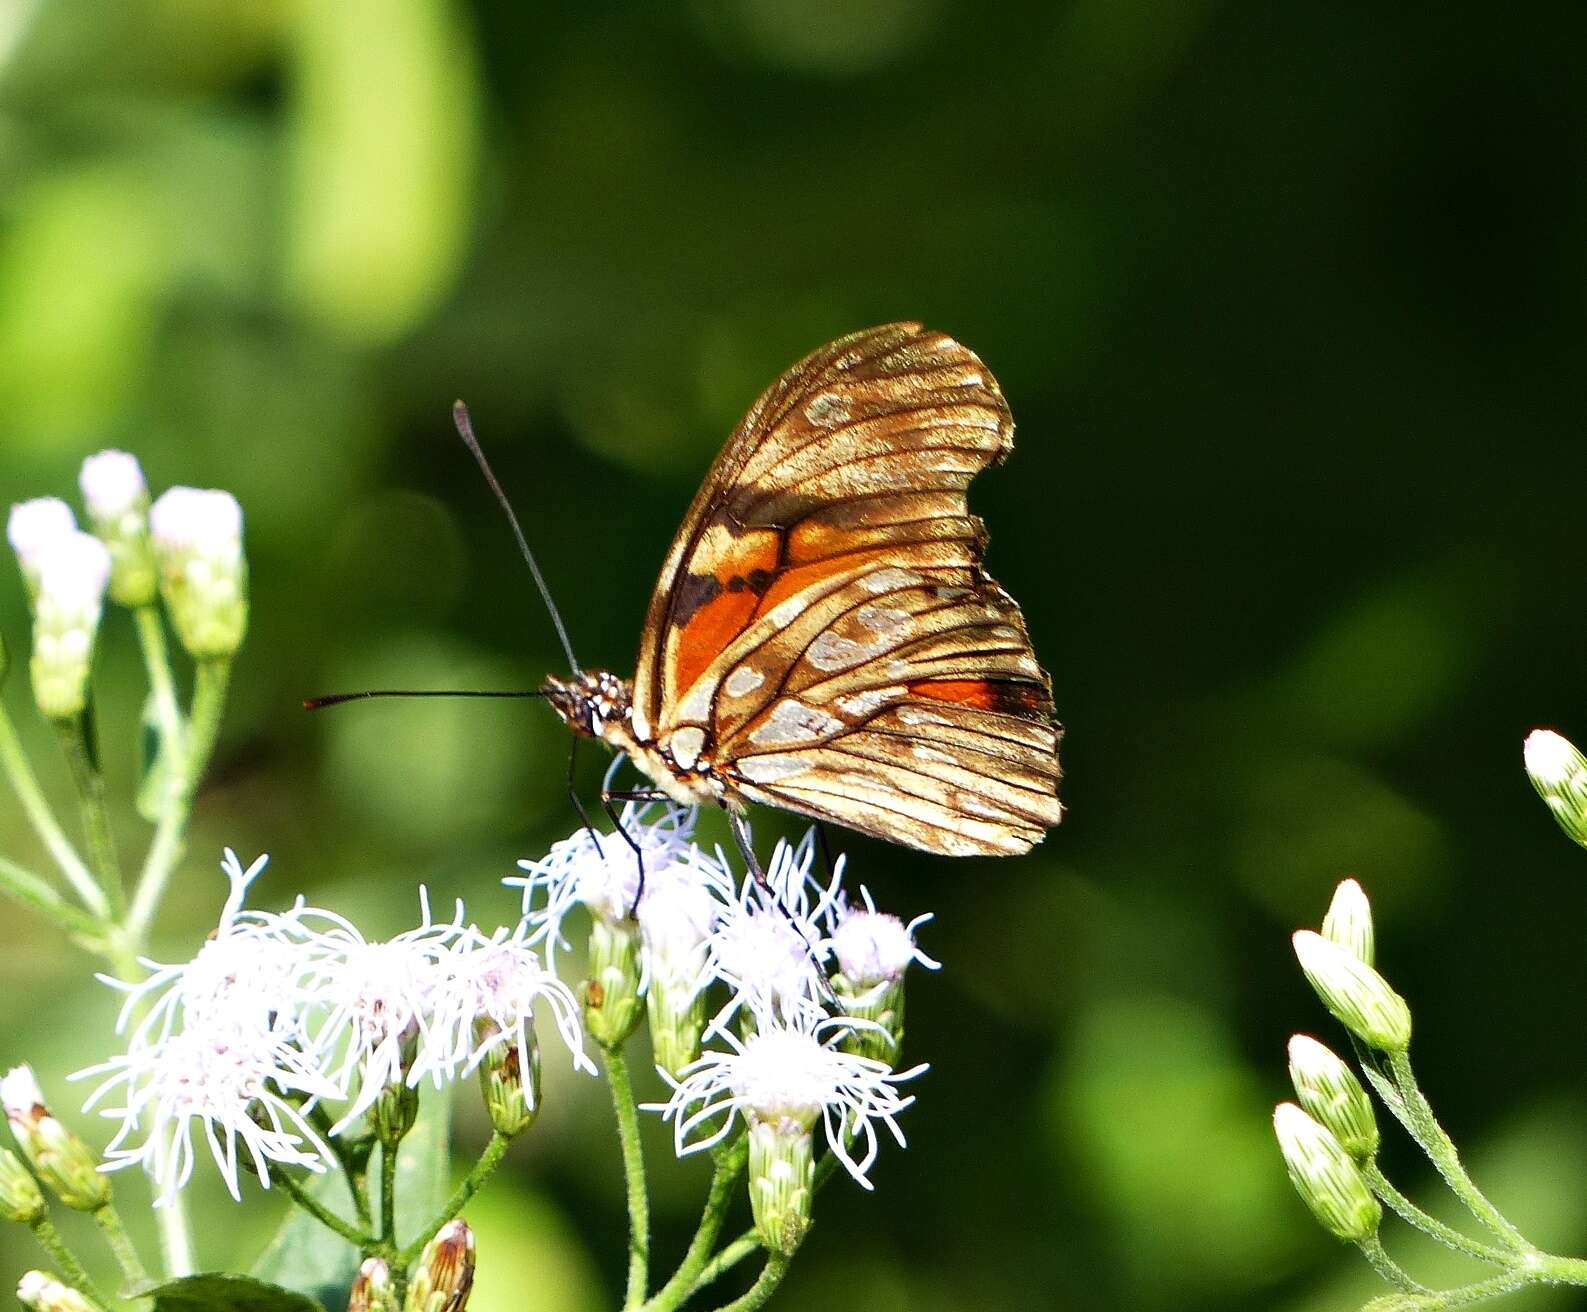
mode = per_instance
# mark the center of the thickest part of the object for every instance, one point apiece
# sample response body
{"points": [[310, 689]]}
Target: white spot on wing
{"points": [[743, 681], [697, 704], [832, 651], [686, 744], [914, 715], [889, 580], [867, 702], [923, 753], [882, 619], [769, 769], [791, 721]]}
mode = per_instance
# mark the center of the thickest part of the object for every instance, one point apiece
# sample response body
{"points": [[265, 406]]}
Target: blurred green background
{"points": [[1288, 303]]}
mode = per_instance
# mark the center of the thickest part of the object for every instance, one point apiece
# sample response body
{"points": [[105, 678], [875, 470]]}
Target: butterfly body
{"points": [[823, 637]]}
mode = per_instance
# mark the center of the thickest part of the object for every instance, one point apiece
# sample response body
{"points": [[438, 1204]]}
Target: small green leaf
{"points": [[217, 1292]]}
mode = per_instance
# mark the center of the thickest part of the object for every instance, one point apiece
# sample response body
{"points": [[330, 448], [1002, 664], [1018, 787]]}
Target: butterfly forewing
{"points": [[823, 616]]}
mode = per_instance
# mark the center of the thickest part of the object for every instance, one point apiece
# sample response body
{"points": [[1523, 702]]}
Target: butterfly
{"points": [[823, 637]]}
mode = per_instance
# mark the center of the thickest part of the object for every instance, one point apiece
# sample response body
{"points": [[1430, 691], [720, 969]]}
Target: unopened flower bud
{"points": [[1360, 998], [118, 508], [781, 1182], [1329, 1090], [373, 1289], [67, 606], [1349, 921], [1559, 773], [612, 1002], [511, 1099], [20, 1197], [203, 574], [445, 1273], [33, 528], [44, 1293], [396, 1106], [59, 1157], [1325, 1176], [675, 919]]}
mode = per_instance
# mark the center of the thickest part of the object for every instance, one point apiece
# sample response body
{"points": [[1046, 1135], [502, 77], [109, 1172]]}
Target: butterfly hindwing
{"points": [[823, 621]]}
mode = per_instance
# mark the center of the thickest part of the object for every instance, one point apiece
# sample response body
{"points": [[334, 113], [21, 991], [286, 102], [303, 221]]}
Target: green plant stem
{"points": [[176, 1240], [51, 1242], [14, 762], [33, 890], [764, 1287], [1414, 1215], [321, 1213], [480, 1172], [90, 784], [157, 662], [209, 702], [1441, 1150], [388, 1192], [1479, 1292], [1372, 1248], [719, 1197], [354, 1163], [730, 1256], [121, 1245], [634, 1176]]}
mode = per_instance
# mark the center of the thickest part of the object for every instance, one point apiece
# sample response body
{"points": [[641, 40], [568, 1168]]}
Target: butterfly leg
{"points": [[639, 856], [578, 803], [825, 841]]}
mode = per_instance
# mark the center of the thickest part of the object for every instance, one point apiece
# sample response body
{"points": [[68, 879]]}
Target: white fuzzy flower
{"points": [[112, 484], [602, 872], [494, 984], [872, 947], [33, 527], [788, 1073], [250, 972], [204, 521], [379, 1002], [768, 943], [230, 1085]]}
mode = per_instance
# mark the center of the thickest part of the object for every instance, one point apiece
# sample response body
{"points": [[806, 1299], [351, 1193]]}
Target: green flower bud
{"points": [[59, 1158], [44, 1293], [882, 1003], [612, 1003], [675, 918], [1325, 1176], [20, 1197], [445, 1274], [1331, 1094], [118, 507], [781, 1182], [396, 1106], [67, 605], [373, 1289], [1360, 998], [511, 1103], [1349, 921], [1559, 773], [203, 574]]}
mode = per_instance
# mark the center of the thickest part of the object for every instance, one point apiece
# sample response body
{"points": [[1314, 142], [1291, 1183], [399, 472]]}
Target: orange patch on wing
{"points": [[982, 694], [793, 581], [734, 574], [812, 541]]}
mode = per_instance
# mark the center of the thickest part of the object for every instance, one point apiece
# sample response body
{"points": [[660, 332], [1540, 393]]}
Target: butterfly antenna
{"points": [[337, 698], [465, 430]]}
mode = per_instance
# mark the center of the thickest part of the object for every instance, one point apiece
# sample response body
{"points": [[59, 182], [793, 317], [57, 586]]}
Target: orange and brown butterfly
{"points": [[823, 637]]}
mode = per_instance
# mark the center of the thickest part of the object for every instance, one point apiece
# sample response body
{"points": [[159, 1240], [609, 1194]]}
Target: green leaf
{"points": [[155, 758], [216, 1292], [307, 1258]]}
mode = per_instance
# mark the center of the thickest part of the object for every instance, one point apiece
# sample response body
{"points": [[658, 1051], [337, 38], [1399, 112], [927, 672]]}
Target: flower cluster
{"points": [[187, 547], [775, 1004], [284, 1016]]}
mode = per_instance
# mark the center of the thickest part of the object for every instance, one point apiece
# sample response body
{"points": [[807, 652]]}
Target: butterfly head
{"points": [[594, 704]]}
